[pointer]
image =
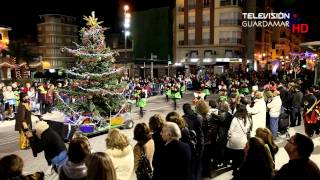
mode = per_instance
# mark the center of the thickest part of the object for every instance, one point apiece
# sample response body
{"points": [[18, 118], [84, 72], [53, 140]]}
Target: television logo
{"points": [[297, 27]]}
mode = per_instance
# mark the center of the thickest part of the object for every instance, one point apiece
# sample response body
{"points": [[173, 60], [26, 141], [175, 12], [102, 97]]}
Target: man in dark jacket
{"points": [[296, 107], [299, 149], [176, 158], [47, 140], [194, 121]]}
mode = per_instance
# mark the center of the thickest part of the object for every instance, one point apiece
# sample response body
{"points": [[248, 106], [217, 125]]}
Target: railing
{"points": [[205, 41], [206, 23], [191, 6], [225, 3], [181, 43], [191, 42], [229, 41], [191, 24], [230, 21]]}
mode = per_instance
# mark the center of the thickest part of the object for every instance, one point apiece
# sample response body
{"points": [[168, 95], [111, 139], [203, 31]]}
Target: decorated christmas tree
{"points": [[96, 89]]}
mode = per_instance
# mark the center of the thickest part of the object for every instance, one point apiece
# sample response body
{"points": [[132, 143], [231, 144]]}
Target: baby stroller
{"points": [[284, 121]]}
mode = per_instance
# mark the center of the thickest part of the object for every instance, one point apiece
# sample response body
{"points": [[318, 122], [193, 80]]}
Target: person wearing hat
{"points": [[23, 115]]}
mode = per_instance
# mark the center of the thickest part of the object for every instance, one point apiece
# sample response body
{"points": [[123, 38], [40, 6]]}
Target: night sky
{"points": [[23, 19]]}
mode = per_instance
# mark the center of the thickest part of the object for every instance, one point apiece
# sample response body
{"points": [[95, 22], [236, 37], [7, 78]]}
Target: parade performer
{"points": [[168, 91], [311, 113], [182, 88], [198, 97], [23, 115], [175, 94], [205, 89], [142, 100]]}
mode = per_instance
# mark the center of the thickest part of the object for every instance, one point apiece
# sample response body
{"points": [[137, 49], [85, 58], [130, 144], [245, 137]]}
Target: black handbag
{"points": [[144, 170]]}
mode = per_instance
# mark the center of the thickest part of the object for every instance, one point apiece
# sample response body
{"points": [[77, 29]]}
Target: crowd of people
{"points": [[237, 129]]}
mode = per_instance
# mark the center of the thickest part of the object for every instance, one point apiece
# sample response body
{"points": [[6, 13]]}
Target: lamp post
{"points": [[126, 25]]}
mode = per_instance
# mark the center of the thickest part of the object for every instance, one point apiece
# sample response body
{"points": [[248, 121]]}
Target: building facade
{"points": [[4, 37], [54, 32], [208, 33]]}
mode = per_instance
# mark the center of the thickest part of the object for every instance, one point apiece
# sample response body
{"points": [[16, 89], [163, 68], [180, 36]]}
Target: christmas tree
{"points": [[96, 88]]}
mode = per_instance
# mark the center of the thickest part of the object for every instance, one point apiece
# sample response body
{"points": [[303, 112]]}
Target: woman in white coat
{"points": [[238, 136], [121, 154], [258, 112]]}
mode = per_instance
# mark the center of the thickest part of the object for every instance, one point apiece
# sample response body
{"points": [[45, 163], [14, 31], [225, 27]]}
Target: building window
{"points": [[230, 18], [206, 3], [230, 2], [191, 4], [230, 37]]}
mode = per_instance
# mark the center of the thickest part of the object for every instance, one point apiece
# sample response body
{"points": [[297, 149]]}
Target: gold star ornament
{"points": [[92, 21]]}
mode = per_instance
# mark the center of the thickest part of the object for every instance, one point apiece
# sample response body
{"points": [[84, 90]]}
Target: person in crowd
{"points": [[175, 162], [223, 119], [257, 109], [42, 97], [194, 122], [266, 135], [49, 98], [75, 168], [156, 123], [274, 111], [210, 131], [11, 168], [213, 107], [257, 162], [144, 144], [121, 154], [10, 102], [100, 167], [47, 140], [23, 115], [238, 137], [299, 148], [295, 114], [311, 106]]}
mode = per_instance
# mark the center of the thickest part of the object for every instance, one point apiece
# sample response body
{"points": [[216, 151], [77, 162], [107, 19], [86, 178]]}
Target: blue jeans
{"points": [[274, 125]]}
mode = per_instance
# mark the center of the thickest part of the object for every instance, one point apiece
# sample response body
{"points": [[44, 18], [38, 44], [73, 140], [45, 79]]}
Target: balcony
{"points": [[230, 21], [206, 23], [181, 26], [230, 41], [225, 2], [191, 6], [181, 43], [191, 42], [205, 41], [191, 24]]}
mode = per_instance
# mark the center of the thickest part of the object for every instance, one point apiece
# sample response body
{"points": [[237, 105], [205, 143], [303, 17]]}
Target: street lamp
{"points": [[126, 25]]}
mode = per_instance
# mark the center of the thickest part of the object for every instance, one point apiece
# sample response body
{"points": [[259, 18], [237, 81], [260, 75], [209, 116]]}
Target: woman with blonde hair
{"points": [[266, 135], [257, 163], [258, 111], [121, 154], [100, 167]]}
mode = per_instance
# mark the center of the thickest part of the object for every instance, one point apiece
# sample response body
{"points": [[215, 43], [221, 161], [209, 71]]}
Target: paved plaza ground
{"points": [[156, 104]]}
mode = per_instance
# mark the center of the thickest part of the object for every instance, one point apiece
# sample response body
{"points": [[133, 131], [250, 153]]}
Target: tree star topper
{"points": [[92, 21]]}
